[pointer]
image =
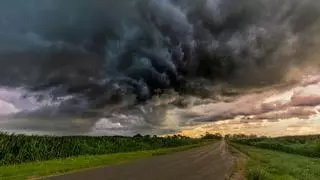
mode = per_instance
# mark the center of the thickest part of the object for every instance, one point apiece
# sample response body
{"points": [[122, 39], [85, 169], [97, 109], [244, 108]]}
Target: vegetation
{"points": [[35, 170], [290, 157], [272, 165], [301, 145], [17, 149], [216, 136]]}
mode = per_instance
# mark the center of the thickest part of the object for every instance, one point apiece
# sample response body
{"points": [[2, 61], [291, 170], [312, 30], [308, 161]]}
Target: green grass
{"points": [[265, 164], [301, 145], [60, 166]]}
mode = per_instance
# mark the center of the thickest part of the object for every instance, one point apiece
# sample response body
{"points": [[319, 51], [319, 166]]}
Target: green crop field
{"points": [[16, 149], [34, 170], [25, 157]]}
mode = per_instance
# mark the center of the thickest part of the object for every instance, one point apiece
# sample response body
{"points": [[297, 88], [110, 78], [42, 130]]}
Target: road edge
{"points": [[153, 153], [240, 159]]}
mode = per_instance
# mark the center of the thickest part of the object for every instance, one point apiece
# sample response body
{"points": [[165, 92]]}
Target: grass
{"points": [[265, 164], [35, 170], [301, 145]]}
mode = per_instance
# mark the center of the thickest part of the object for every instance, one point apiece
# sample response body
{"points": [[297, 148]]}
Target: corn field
{"points": [[16, 149]]}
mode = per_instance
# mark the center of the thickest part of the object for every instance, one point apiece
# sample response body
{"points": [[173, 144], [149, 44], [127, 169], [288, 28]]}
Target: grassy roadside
{"points": [[272, 165], [237, 171], [301, 145], [60, 166]]}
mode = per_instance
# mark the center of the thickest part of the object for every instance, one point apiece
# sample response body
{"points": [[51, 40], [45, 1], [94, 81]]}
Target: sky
{"points": [[95, 67]]}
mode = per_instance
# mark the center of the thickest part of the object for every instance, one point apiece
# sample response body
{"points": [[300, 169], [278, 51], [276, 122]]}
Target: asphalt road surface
{"points": [[211, 162]]}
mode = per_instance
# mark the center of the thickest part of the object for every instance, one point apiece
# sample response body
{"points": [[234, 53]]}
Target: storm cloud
{"points": [[117, 55]]}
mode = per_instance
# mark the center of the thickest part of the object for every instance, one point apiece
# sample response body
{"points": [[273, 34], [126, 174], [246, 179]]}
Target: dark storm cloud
{"points": [[110, 50]]}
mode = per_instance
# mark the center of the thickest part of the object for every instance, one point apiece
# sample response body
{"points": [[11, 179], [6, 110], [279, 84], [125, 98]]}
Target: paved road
{"points": [[206, 163]]}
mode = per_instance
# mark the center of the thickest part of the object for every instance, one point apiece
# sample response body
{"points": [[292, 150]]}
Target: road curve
{"points": [[211, 162]]}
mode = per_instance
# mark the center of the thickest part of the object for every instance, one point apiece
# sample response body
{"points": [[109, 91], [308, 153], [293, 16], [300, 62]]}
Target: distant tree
{"points": [[147, 136], [212, 136], [154, 136], [138, 136]]}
